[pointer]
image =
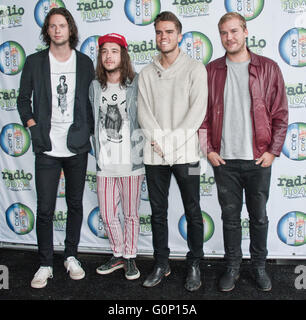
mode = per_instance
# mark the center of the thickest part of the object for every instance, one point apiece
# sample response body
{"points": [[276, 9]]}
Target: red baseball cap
{"points": [[113, 37]]}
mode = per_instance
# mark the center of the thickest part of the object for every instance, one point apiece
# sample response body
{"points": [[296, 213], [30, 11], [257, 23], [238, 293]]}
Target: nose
{"points": [[229, 36]]}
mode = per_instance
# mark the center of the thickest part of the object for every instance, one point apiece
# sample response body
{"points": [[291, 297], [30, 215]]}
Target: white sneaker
{"points": [[41, 277], [74, 268]]}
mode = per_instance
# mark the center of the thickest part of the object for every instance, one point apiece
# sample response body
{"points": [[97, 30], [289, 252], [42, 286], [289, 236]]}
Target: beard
{"points": [[238, 49], [112, 70]]}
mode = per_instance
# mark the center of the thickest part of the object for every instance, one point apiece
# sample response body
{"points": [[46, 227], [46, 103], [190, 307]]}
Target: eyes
{"points": [[225, 33], [113, 51], [61, 26], [159, 33]]}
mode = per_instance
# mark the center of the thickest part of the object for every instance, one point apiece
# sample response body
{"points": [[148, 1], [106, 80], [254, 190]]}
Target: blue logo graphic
{"points": [[209, 226], [43, 7], [12, 57], [14, 139], [295, 143], [249, 9], [20, 218], [142, 12], [91, 48], [96, 224], [291, 228], [197, 46], [292, 47]]}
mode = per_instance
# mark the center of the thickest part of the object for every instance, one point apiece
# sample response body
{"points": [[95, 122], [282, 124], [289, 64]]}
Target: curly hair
{"points": [[126, 69], [74, 35]]}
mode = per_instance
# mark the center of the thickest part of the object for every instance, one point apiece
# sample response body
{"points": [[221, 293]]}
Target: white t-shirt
{"points": [[63, 78], [114, 134]]}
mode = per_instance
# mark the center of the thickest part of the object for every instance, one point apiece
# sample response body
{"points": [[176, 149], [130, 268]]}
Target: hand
{"points": [[157, 149], [215, 159], [31, 123], [266, 159]]}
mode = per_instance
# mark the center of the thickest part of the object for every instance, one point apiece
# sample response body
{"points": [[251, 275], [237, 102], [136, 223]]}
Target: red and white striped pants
{"points": [[111, 191]]}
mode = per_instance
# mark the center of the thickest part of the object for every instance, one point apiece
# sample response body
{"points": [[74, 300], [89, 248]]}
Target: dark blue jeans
{"points": [[231, 179], [47, 175], [158, 181]]}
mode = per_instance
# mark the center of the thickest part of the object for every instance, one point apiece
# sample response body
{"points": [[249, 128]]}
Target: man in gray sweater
{"points": [[172, 102]]}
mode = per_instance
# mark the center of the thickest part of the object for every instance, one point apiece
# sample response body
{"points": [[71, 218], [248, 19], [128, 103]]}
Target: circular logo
{"points": [[91, 48], [19, 218], [43, 7], [295, 143], [249, 9], [12, 57], [209, 226], [96, 224], [197, 46], [292, 47], [291, 228], [142, 12], [14, 139]]}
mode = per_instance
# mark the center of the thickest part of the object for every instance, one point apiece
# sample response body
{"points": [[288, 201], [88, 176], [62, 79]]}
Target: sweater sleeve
{"points": [[146, 119]]}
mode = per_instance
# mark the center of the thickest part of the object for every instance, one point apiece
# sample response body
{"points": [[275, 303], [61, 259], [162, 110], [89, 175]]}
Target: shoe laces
{"points": [[73, 264], [43, 273]]}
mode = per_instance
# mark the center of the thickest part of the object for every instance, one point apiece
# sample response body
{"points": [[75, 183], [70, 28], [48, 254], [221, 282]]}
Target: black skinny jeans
{"points": [[231, 179], [158, 181], [47, 175]]}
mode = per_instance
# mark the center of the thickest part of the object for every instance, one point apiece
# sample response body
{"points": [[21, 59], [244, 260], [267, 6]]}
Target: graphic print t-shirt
{"points": [[114, 134], [63, 78]]}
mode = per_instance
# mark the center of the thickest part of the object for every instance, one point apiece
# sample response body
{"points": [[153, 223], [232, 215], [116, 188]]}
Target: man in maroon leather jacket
{"points": [[246, 125]]}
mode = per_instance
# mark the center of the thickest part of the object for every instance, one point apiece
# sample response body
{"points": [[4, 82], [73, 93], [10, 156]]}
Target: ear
{"points": [[246, 33], [180, 37]]}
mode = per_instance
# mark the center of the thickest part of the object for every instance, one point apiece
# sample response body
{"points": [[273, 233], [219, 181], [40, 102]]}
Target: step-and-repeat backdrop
{"points": [[277, 29]]}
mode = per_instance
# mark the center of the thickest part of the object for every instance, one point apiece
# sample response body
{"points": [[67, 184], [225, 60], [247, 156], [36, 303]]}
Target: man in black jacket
{"points": [[60, 122]]}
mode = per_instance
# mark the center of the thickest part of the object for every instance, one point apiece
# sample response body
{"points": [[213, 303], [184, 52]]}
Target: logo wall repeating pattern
{"points": [[284, 41]]}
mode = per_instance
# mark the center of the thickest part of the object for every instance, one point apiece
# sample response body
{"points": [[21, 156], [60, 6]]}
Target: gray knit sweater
{"points": [[172, 105]]}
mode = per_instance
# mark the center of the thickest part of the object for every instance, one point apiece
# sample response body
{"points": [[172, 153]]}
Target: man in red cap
{"points": [[118, 144]]}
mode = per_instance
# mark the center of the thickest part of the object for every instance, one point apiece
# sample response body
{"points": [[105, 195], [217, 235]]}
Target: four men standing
{"points": [[241, 90]]}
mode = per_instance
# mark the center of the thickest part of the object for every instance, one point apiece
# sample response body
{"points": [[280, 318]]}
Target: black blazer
{"points": [[35, 78]]}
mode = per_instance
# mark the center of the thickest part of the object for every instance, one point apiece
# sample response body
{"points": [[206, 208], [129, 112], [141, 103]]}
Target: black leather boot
{"points": [[158, 273], [262, 279], [193, 279], [228, 279]]}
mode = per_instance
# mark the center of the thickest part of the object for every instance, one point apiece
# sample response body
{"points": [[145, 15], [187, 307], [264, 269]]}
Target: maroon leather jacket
{"points": [[269, 106]]}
